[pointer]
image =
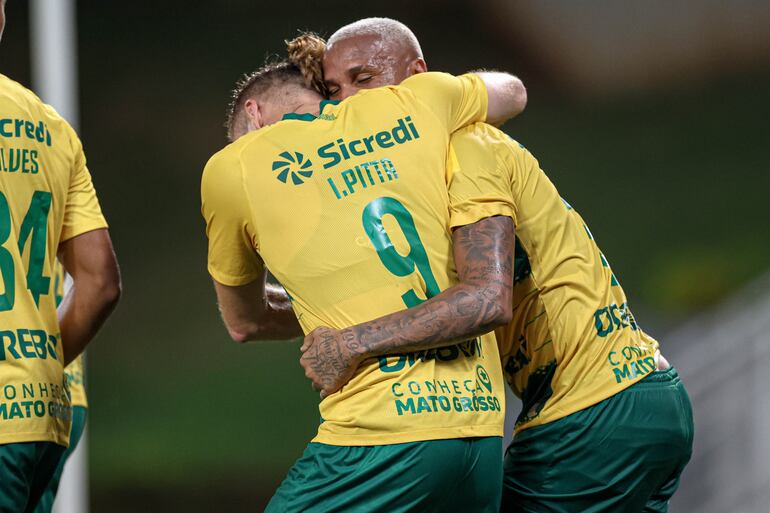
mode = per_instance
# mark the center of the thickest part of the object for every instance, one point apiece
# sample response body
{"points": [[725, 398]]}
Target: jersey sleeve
{"points": [[479, 178], [456, 101], [232, 255], [82, 212]]}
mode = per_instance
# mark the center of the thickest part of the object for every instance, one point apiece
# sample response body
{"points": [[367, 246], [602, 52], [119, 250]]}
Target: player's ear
{"points": [[253, 113], [418, 66]]}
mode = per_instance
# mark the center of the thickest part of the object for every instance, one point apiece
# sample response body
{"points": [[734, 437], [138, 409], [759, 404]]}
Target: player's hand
{"points": [[329, 358]]}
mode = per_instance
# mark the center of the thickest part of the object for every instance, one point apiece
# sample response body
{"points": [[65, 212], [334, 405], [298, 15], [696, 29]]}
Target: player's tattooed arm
{"points": [[260, 310], [480, 302]]}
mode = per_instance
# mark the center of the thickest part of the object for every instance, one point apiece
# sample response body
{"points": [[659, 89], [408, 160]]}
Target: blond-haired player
{"points": [[368, 236], [48, 207]]}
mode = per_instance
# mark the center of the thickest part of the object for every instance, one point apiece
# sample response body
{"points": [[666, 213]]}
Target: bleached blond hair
{"points": [[388, 30]]}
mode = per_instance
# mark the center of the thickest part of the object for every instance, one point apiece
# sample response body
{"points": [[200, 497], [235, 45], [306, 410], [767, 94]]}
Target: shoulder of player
{"points": [[485, 147], [486, 133], [223, 163], [428, 78], [487, 138], [421, 82], [13, 88], [28, 101], [363, 98], [28, 107], [227, 162]]}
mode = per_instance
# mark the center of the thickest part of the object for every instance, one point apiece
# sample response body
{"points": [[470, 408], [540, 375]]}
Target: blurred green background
{"points": [[672, 180]]}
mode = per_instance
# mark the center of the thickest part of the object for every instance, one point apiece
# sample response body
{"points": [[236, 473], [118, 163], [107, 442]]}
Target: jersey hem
{"points": [[78, 402], [581, 406], [81, 229], [229, 280], [477, 214], [17, 438], [412, 436]]}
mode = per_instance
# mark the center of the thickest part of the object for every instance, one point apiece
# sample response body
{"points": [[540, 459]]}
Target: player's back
{"points": [[573, 340], [38, 153], [351, 214], [372, 226]]}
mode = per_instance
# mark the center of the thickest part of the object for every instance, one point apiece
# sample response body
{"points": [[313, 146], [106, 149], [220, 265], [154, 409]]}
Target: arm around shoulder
{"points": [[479, 303], [507, 96]]}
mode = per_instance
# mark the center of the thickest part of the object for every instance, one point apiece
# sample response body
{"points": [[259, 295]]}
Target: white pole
{"points": [[54, 55], [54, 79]]}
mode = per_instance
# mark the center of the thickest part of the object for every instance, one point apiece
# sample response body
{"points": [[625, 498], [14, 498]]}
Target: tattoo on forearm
{"points": [[328, 360], [484, 257]]}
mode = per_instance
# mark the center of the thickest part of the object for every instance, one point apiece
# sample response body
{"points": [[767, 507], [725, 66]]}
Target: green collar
{"points": [[301, 117], [324, 103], [310, 117]]}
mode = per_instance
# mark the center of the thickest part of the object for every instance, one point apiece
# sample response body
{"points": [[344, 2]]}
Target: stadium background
{"points": [[667, 163]]}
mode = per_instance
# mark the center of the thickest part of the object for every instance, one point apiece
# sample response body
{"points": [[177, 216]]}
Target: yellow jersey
{"points": [[74, 373], [573, 340], [349, 210], [46, 197]]}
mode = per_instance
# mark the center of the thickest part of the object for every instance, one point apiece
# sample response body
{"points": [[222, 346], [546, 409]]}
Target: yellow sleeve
{"points": [[232, 255], [479, 177], [82, 212], [456, 101]]}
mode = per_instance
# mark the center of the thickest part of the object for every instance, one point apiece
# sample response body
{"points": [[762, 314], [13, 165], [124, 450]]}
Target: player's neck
{"points": [[313, 108]]}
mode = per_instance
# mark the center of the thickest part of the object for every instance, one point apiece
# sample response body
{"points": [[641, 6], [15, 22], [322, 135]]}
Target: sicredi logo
{"points": [[335, 152], [294, 165]]}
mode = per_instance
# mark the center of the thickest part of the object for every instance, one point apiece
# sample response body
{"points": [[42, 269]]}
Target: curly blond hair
{"points": [[306, 52], [302, 68]]}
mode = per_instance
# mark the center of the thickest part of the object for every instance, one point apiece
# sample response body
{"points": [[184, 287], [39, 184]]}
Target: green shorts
{"points": [[78, 425], [622, 455], [422, 477], [25, 470]]}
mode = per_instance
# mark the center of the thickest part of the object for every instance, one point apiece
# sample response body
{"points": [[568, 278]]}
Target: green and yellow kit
{"points": [[573, 340], [350, 211], [601, 430], [46, 197], [75, 380]]}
